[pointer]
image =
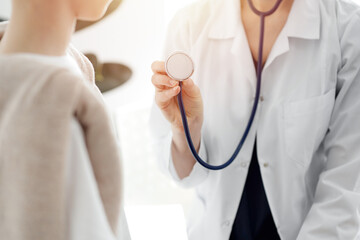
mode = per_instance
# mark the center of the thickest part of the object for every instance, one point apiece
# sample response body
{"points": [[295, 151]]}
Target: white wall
{"points": [[5, 8]]}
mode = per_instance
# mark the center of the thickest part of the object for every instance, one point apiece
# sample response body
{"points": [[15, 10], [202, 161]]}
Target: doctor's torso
{"points": [[298, 96]]}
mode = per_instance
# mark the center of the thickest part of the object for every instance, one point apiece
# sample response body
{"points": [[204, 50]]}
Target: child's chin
{"points": [[93, 16], [89, 19]]}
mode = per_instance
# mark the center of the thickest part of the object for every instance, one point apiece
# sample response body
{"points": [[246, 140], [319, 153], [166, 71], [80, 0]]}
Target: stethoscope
{"points": [[179, 66]]}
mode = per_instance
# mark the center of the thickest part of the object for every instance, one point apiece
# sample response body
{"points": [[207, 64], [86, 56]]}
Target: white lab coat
{"points": [[307, 125]]}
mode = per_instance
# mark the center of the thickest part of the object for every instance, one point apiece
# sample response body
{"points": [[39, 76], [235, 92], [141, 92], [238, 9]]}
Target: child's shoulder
{"points": [[23, 68], [38, 81]]}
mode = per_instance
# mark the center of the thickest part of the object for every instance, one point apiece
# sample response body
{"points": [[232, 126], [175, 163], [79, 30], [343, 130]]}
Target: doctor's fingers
{"points": [[163, 81], [162, 97], [158, 67]]}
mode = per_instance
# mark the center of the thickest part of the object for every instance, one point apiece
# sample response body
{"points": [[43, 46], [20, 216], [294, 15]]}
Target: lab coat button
{"points": [[244, 164], [261, 99], [226, 224], [266, 164]]}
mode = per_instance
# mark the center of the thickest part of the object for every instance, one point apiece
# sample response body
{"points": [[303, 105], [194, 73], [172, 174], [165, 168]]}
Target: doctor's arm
{"points": [[166, 91], [168, 135], [335, 213]]}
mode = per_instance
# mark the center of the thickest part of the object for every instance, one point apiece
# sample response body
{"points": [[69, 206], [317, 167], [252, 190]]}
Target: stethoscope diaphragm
{"points": [[179, 66]]}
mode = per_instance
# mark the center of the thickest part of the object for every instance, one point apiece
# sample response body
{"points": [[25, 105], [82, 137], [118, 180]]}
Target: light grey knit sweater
{"points": [[37, 103]]}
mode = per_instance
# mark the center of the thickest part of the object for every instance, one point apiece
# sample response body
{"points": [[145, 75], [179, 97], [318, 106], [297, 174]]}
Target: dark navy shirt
{"points": [[253, 219]]}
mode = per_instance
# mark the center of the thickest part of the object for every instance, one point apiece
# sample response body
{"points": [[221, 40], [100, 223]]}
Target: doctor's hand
{"points": [[166, 91]]}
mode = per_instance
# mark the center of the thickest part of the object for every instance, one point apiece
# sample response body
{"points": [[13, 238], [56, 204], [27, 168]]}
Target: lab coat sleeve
{"points": [[197, 174], [335, 213], [178, 38], [162, 140]]}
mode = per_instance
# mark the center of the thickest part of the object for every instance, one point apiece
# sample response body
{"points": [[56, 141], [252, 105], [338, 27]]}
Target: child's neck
{"points": [[38, 28]]}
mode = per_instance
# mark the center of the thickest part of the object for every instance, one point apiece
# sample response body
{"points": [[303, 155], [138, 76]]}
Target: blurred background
{"points": [[128, 40]]}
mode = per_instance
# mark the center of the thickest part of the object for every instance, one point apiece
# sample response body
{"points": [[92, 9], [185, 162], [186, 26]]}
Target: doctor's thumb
{"points": [[190, 89]]}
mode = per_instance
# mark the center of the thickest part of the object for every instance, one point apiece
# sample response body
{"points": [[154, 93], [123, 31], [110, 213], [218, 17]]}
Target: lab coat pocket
{"points": [[306, 123]]}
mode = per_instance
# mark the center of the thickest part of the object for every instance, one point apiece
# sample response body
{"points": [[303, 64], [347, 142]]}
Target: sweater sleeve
{"points": [[85, 215]]}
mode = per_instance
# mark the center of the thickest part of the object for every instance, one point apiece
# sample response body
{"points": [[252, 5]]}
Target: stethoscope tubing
{"points": [[256, 100]]}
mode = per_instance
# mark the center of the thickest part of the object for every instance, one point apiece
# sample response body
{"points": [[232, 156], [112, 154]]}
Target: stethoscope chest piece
{"points": [[179, 66]]}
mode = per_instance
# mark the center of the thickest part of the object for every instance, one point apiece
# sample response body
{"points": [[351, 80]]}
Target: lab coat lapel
{"points": [[226, 25], [241, 50], [225, 21], [304, 20], [303, 23]]}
